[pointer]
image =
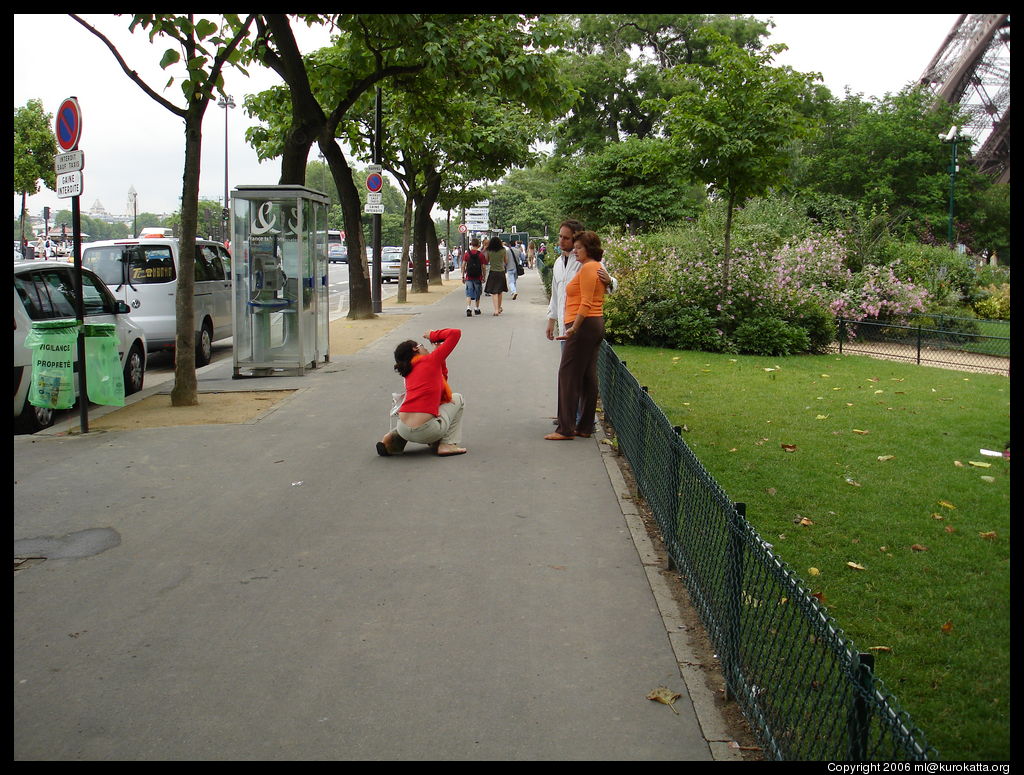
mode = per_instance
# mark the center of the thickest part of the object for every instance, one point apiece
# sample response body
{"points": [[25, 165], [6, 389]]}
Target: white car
{"points": [[44, 290], [143, 273]]}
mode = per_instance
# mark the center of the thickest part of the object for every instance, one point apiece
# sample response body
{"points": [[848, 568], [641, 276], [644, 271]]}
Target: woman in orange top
{"points": [[584, 321]]}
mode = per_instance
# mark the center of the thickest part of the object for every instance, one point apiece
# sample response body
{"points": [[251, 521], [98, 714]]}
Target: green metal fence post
{"points": [[859, 725], [733, 600], [674, 472]]}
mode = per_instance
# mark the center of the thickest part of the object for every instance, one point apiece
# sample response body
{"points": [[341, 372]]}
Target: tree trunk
{"points": [[434, 253], [186, 388], [360, 304], [419, 244], [406, 234], [424, 233]]}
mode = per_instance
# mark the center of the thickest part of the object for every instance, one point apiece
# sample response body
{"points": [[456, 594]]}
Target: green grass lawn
{"points": [[849, 459]]}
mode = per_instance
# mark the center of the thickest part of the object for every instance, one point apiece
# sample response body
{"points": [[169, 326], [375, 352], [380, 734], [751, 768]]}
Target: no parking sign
{"points": [[69, 124]]}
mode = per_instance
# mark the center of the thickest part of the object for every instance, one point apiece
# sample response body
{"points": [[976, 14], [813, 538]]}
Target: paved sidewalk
{"points": [[276, 591]]}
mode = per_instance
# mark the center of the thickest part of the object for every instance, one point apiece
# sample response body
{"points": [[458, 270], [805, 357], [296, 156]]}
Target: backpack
{"points": [[474, 269]]}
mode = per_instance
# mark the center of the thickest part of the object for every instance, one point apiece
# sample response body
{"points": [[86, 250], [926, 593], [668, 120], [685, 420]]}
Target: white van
{"points": [[144, 274]]}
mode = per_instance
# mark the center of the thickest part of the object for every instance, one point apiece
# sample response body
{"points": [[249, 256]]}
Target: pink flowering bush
{"points": [[805, 283]]}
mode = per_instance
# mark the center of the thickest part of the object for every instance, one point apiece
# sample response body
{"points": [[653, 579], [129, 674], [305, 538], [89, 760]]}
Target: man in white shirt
{"points": [[564, 267]]}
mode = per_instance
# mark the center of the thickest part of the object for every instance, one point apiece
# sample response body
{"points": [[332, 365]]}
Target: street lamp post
{"points": [[951, 137], [225, 101]]}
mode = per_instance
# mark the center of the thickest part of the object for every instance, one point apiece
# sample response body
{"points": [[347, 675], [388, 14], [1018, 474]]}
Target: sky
{"points": [[130, 141]]}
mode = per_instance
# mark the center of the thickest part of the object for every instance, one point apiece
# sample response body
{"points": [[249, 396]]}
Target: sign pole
{"points": [[377, 269], [83, 387], [68, 167]]}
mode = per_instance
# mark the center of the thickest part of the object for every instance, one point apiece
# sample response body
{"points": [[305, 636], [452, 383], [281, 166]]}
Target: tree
{"points": [[528, 198], [204, 47], [622, 62], [34, 149], [328, 90], [735, 121], [884, 154], [631, 185]]}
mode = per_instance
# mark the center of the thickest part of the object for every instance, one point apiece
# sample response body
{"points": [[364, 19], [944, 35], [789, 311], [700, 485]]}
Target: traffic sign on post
{"points": [[374, 182], [72, 161], [69, 124], [69, 184]]}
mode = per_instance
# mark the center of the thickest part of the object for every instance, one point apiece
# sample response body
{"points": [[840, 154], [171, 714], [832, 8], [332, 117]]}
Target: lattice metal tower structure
{"points": [[972, 68]]}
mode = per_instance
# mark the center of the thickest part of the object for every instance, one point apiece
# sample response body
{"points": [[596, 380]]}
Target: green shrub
{"points": [[693, 328], [818, 323], [994, 303], [770, 336]]}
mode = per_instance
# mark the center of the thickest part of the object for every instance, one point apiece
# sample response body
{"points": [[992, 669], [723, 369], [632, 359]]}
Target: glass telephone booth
{"points": [[279, 275]]}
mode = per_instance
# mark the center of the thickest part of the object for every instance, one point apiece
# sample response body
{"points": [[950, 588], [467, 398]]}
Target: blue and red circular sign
{"points": [[374, 182], [69, 124]]}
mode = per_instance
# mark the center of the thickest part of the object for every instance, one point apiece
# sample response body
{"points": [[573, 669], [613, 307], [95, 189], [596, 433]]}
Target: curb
{"points": [[713, 726]]}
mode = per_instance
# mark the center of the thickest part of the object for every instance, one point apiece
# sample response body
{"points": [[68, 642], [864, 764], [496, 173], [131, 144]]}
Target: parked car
{"points": [[391, 263], [45, 290], [143, 273]]}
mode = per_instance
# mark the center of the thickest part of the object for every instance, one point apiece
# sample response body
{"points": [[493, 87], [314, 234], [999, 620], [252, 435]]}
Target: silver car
{"points": [[391, 263]]}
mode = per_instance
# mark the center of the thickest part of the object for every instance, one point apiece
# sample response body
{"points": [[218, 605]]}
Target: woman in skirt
{"points": [[497, 262]]}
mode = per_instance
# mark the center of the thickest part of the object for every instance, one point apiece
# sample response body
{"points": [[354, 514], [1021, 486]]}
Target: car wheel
{"points": [[134, 370], [33, 418], [204, 345]]}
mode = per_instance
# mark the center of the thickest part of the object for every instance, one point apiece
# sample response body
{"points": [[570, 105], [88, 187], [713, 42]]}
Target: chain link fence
{"points": [[938, 340], [806, 691]]}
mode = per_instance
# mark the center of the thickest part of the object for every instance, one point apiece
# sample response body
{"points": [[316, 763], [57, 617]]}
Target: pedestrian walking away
{"points": [[512, 270], [497, 264], [472, 276], [584, 331], [431, 413]]}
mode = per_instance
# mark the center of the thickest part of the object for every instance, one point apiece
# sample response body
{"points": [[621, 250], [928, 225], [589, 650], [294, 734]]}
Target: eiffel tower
{"points": [[972, 69]]}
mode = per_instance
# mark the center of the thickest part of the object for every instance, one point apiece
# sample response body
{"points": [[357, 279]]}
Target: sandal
{"points": [[556, 436]]}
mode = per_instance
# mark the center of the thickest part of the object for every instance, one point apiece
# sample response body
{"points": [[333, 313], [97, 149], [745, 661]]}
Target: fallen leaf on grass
{"points": [[936, 515], [950, 529], [978, 464], [919, 548], [989, 479], [947, 627], [946, 504], [814, 571], [855, 566], [989, 535], [821, 417], [789, 447], [803, 521], [883, 458], [886, 649], [958, 464], [819, 596], [862, 433], [665, 696], [851, 482]]}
